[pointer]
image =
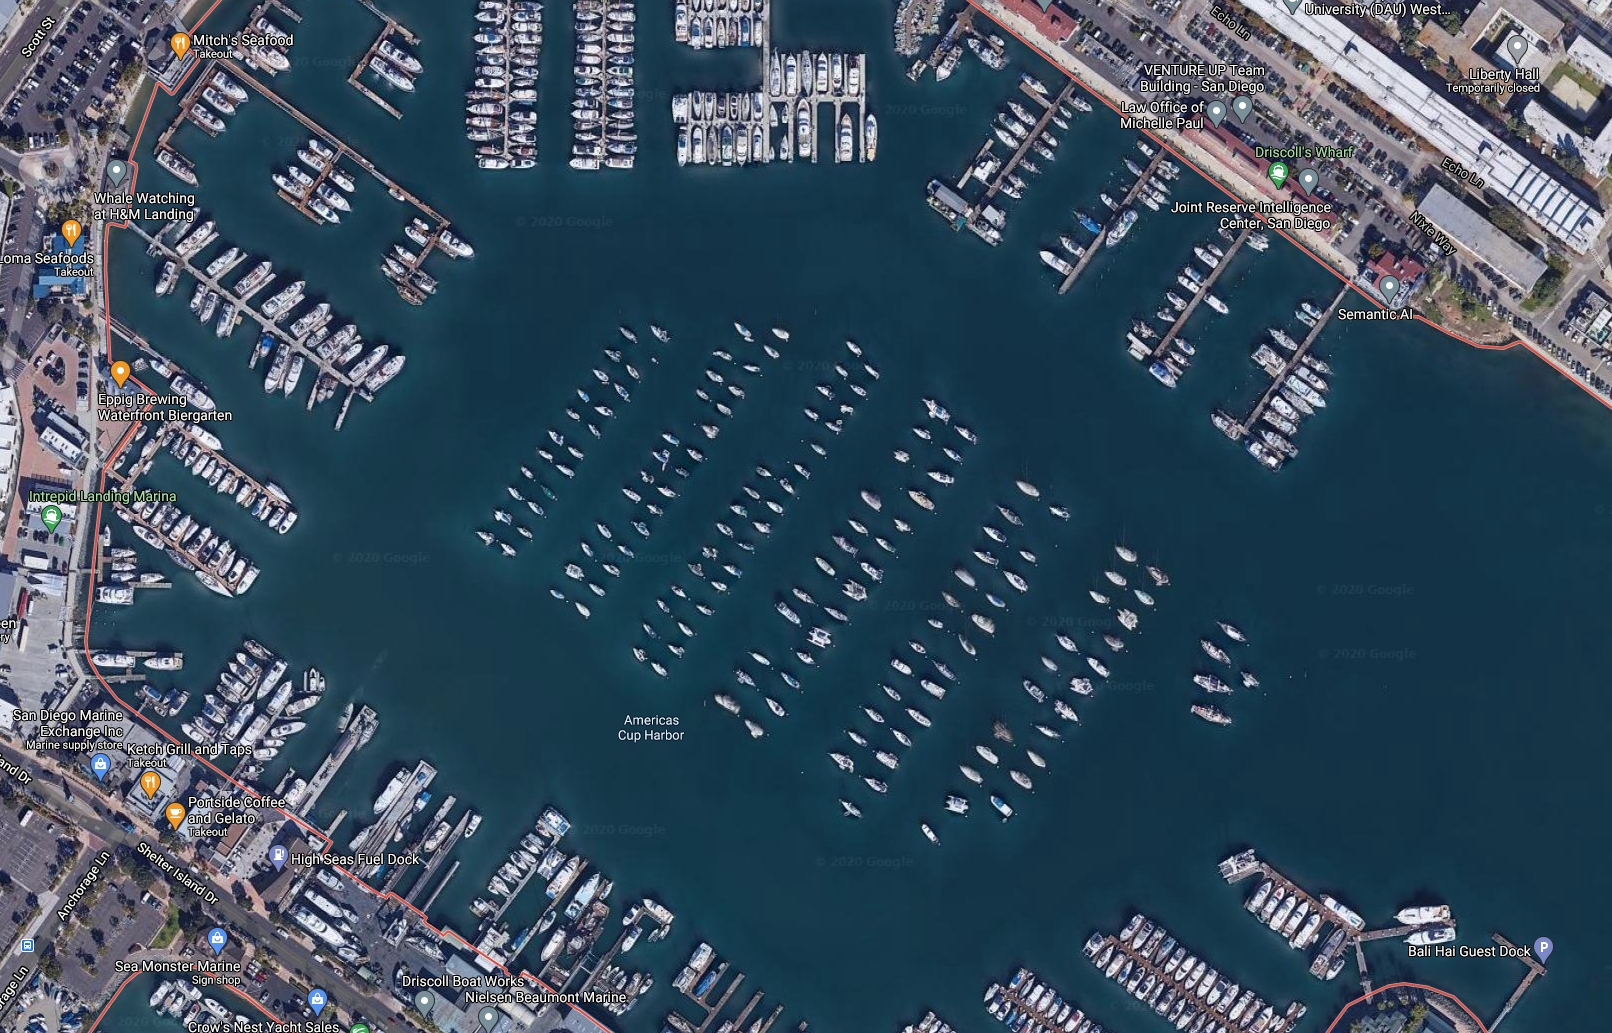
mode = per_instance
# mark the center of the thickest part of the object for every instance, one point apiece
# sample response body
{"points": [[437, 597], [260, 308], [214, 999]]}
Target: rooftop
{"points": [[1468, 228]]}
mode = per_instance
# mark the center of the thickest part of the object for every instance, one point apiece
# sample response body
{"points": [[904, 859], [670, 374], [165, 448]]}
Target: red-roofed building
{"points": [[1049, 19]]}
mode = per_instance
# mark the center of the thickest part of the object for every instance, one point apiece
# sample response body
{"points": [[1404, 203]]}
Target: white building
{"points": [[1566, 215]]}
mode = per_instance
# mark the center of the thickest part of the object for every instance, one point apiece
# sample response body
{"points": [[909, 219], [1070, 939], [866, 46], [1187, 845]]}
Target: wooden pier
{"points": [[342, 149], [1192, 303], [438, 859], [1536, 968], [391, 27], [243, 306], [1175, 980], [1298, 356], [1097, 243], [1033, 137]]}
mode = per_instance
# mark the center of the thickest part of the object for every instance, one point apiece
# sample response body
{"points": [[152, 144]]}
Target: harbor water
{"points": [[1423, 586]]}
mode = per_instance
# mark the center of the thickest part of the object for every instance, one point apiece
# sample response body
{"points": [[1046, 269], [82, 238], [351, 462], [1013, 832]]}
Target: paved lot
{"points": [[27, 857], [116, 923]]}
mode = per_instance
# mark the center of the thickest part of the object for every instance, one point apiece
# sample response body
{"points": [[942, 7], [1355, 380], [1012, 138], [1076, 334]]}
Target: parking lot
{"points": [[65, 81], [116, 923], [27, 860]]}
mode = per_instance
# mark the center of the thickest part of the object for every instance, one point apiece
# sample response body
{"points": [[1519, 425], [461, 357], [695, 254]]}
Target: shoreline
{"points": [[1208, 164]]}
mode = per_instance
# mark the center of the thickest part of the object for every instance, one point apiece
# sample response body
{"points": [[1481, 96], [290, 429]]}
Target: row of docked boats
{"points": [[309, 338], [1180, 987], [1016, 128], [214, 560], [217, 99], [1299, 388], [265, 48], [708, 24], [307, 183], [501, 101], [254, 705], [201, 452], [816, 75], [394, 67], [604, 127], [405, 266], [1027, 1002], [611, 384]]}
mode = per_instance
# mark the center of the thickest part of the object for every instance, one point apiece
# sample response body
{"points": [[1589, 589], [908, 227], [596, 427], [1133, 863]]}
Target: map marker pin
{"points": [[216, 938], [50, 516], [1277, 173], [100, 764], [1389, 287], [1308, 178], [424, 1001], [316, 1000], [1543, 947], [72, 229], [181, 44], [277, 856], [117, 171], [175, 813], [1215, 112], [487, 1018], [1517, 47], [1241, 107], [150, 781], [120, 373], [1293, 5]]}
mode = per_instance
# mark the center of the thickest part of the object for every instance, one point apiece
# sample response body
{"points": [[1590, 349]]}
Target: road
{"points": [[291, 954]]}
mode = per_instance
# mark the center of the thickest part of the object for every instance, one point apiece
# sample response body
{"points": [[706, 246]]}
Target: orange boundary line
{"points": [[1390, 986], [1319, 261], [133, 712], [133, 976]]}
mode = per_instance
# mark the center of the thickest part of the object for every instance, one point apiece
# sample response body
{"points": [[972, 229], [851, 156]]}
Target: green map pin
{"points": [[50, 516], [1278, 173]]}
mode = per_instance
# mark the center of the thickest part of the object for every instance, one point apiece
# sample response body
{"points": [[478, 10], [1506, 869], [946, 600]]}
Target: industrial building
{"points": [[1473, 233]]}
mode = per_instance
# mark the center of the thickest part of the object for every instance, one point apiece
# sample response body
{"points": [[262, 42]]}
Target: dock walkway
{"points": [[1097, 243], [1298, 356], [1192, 303]]}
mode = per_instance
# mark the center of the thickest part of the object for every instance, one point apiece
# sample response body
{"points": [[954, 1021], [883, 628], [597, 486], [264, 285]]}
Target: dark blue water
{"points": [[1421, 586]]}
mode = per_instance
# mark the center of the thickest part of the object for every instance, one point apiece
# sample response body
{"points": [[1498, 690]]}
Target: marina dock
{"points": [[374, 839], [1049, 109], [1097, 242], [1298, 355], [244, 306], [438, 859], [1350, 925], [358, 731], [1176, 981], [391, 27], [1536, 968], [1203, 290]]}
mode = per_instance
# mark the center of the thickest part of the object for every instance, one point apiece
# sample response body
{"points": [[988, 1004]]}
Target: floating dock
{"points": [[1298, 356], [1203, 291], [1097, 242]]}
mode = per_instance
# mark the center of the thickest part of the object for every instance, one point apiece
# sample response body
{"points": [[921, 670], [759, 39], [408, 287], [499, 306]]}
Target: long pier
{"points": [[243, 305], [1298, 355], [1536, 968], [436, 862], [1203, 291], [342, 149], [1097, 243], [1033, 137], [1175, 980]]}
